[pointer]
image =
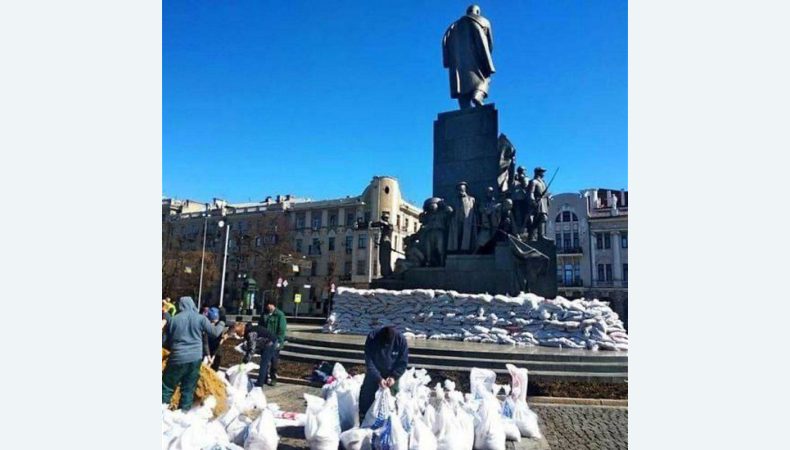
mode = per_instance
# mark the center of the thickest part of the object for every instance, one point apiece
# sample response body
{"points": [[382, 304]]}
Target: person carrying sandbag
{"points": [[258, 340], [184, 339], [386, 358]]}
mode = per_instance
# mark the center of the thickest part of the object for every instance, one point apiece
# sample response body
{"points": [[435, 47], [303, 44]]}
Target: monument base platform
{"points": [[493, 274]]}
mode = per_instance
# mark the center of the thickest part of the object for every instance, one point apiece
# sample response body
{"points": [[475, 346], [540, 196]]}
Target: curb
{"points": [[577, 401]]}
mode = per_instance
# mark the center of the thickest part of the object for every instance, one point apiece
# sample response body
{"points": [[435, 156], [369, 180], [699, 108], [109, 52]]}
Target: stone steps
{"points": [[470, 350], [536, 375], [459, 359]]}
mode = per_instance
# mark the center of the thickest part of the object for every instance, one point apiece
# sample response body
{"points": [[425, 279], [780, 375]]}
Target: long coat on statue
{"points": [[466, 52], [462, 235]]}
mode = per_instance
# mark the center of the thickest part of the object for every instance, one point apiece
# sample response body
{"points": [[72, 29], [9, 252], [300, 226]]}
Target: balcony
{"points": [[610, 283], [574, 283], [569, 250]]}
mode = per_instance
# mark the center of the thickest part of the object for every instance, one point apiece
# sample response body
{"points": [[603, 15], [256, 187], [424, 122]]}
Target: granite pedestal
{"points": [[465, 149]]}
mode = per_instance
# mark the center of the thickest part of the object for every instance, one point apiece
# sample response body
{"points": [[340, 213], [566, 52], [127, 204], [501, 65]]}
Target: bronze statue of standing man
{"points": [[537, 193], [466, 53]]}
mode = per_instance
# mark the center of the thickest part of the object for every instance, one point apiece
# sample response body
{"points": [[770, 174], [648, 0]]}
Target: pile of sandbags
{"points": [[421, 418], [247, 422], [524, 320]]}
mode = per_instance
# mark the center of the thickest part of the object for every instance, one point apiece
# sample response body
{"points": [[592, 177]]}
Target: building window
{"points": [[566, 240], [314, 269], [608, 272], [300, 221], [576, 239], [316, 246], [347, 267], [257, 241], [363, 241], [415, 226], [598, 241], [331, 244], [361, 267], [624, 239], [601, 276], [558, 239], [330, 268], [317, 221], [625, 272], [607, 240], [577, 273], [367, 217], [349, 244], [407, 224], [559, 274], [350, 219], [299, 245], [332, 220], [566, 216]]}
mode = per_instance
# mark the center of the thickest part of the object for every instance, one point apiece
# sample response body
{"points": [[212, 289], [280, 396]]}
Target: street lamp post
{"points": [[203, 255], [224, 261]]}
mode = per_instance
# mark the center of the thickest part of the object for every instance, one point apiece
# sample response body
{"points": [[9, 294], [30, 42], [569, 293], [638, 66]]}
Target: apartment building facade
{"points": [[329, 243]]}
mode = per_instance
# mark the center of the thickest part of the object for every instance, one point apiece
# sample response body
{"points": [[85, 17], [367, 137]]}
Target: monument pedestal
{"points": [[473, 274], [465, 149]]}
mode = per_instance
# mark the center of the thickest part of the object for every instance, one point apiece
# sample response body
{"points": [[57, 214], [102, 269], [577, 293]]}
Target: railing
{"points": [[574, 283], [610, 283], [569, 250]]}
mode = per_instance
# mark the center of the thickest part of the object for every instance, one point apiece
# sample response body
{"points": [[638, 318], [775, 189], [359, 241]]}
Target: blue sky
{"points": [[314, 98]]}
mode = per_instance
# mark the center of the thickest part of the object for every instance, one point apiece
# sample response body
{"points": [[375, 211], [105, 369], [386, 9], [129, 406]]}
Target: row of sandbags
{"points": [[249, 422], [419, 417], [524, 320]]}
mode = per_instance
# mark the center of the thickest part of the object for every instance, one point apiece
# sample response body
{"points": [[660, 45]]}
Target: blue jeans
{"points": [[267, 353]]}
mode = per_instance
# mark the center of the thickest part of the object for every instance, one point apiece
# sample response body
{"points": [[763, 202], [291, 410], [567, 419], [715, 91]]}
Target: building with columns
{"points": [[330, 242], [590, 230]]}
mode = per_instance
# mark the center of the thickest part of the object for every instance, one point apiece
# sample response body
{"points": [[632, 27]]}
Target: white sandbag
{"points": [[391, 435], [512, 433], [357, 439], [322, 424], [516, 404], [383, 405], [489, 430], [262, 433], [238, 429], [450, 435], [421, 437], [481, 381], [238, 376]]}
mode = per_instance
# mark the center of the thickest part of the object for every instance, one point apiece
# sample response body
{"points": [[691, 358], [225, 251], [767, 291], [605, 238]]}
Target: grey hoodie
{"points": [[185, 333]]}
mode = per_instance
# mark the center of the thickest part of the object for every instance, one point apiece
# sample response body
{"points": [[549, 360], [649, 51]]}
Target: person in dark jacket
{"points": [[259, 340], [386, 358], [274, 320], [212, 346], [184, 339]]}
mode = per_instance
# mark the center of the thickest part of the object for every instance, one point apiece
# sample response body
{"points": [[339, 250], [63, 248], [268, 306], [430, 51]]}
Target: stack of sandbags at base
{"points": [[422, 418], [524, 320], [248, 422]]}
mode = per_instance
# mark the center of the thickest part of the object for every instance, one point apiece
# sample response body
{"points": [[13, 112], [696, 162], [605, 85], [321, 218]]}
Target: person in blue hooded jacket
{"points": [[184, 339], [386, 358]]}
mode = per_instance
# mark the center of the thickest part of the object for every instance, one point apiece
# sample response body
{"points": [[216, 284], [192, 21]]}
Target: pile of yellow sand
{"points": [[208, 384]]}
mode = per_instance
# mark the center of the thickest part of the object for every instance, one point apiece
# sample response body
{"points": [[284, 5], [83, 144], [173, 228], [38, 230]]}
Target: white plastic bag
{"points": [[451, 435], [322, 424], [391, 435], [357, 439], [262, 433], [421, 437], [512, 433], [481, 381], [489, 430], [383, 405], [238, 376], [525, 418]]}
